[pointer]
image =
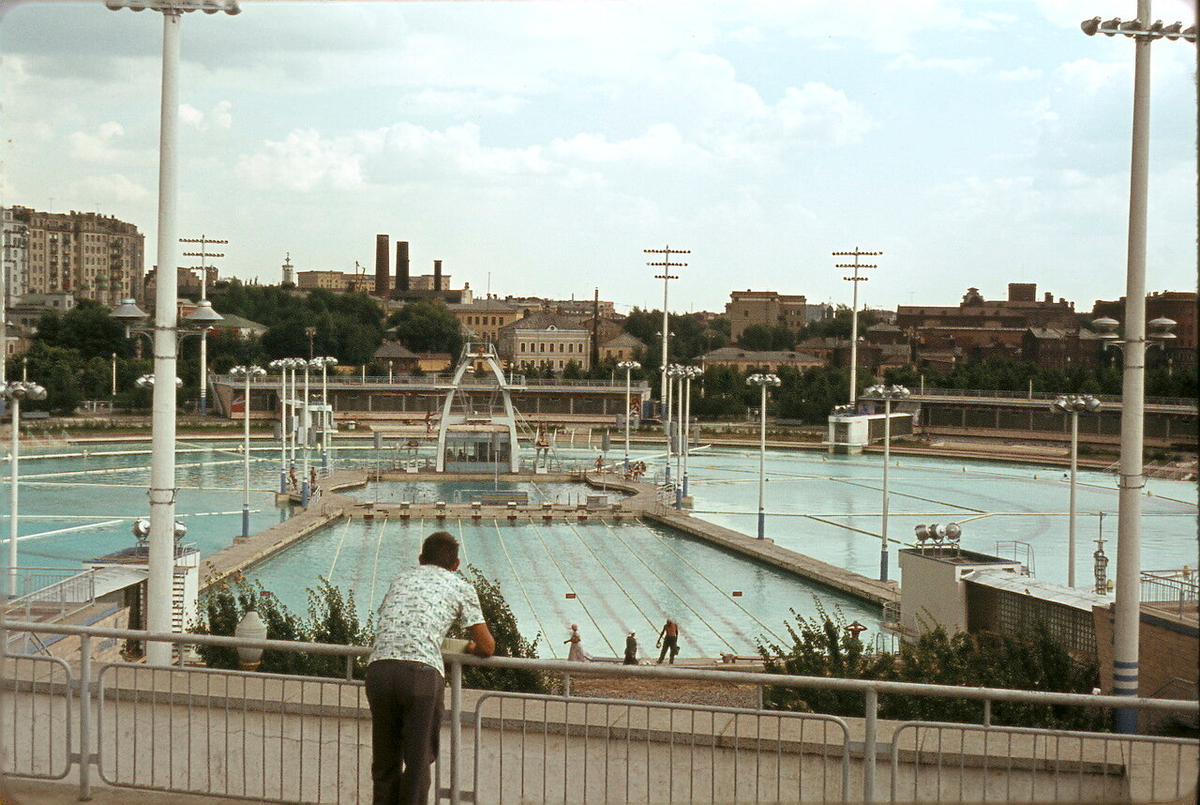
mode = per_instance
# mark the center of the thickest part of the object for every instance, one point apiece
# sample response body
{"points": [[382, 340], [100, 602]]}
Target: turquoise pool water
{"points": [[627, 577]]}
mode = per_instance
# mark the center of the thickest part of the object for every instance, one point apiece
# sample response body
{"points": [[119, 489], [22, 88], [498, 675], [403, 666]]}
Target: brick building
{"points": [[485, 317], [768, 308], [1179, 306]]}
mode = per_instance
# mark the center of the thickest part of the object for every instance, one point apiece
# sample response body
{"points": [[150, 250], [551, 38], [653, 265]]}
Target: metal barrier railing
{"points": [[1174, 590], [245, 735]]}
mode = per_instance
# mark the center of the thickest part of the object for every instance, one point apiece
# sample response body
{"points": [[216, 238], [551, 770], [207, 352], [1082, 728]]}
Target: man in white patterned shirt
{"points": [[404, 678]]}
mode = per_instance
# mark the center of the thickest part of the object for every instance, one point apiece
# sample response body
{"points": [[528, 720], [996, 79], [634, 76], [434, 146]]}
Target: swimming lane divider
{"points": [[567, 582], [516, 575]]}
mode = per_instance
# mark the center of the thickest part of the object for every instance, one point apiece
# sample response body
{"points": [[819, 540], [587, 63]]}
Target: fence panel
{"points": [[571, 749], [935, 762], [234, 734], [39, 724]]}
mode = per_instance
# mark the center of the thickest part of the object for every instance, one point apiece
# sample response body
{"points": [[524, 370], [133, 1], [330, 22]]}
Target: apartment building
{"points": [[14, 249], [545, 338], [89, 255], [767, 308], [484, 317]]}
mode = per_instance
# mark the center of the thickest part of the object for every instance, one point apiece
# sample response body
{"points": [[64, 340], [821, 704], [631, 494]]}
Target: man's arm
{"points": [[481, 644]]}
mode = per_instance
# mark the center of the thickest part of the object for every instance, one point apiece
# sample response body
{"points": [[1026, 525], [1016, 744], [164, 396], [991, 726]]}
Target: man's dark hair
{"points": [[440, 548]]}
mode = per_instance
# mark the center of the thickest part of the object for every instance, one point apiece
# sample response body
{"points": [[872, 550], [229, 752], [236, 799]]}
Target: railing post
{"points": [[870, 725], [987, 712], [566, 684], [85, 717], [455, 729]]}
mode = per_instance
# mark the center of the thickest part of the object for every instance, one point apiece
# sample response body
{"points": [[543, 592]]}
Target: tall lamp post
{"points": [[666, 276], [307, 419], [1132, 477], [249, 372], [854, 279], [628, 366], [282, 364], [203, 254], [887, 394], [161, 547], [326, 411], [689, 372], [14, 392], [676, 373], [762, 381], [1072, 404]]}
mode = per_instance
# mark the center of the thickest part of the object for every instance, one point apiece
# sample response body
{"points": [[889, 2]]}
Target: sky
{"points": [[538, 148]]}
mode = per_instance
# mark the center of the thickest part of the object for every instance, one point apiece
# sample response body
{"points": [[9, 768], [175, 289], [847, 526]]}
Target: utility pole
{"points": [[855, 279], [203, 254], [666, 276]]}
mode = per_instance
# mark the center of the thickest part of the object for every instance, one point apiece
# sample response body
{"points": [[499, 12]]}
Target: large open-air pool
{"points": [[611, 579]]}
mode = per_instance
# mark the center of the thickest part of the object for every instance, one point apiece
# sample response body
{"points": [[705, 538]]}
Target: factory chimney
{"points": [[437, 275], [381, 265], [402, 266]]}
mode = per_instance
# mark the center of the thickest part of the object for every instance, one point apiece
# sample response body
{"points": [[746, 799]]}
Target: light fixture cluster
{"points": [[885, 393], [762, 380], [22, 390], [230, 7], [1138, 29], [939, 535], [1066, 403], [1158, 331]]}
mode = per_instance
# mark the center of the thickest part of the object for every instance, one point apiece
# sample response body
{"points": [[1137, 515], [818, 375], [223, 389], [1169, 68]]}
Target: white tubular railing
{"points": [[257, 736]]}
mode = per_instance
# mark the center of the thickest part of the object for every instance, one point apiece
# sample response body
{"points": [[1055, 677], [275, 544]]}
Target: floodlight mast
{"points": [[666, 276], [854, 279]]}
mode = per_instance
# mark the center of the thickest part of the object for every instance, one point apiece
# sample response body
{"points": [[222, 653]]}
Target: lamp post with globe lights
{"points": [[689, 373], [628, 366], [14, 392], [888, 394], [248, 372], [762, 381], [1127, 608], [1073, 404], [326, 426]]}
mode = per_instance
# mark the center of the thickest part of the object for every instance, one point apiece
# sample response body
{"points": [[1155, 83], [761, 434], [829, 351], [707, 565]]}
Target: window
{"points": [[541, 347]]}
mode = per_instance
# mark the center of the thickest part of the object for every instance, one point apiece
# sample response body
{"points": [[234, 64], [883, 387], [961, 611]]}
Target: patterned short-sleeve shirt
{"points": [[419, 608]]}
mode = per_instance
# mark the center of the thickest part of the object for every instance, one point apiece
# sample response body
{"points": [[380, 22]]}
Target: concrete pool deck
{"points": [[640, 501]]}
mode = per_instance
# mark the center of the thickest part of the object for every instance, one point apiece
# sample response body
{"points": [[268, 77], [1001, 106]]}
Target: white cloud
{"points": [[303, 162], [820, 113], [218, 118], [1093, 76], [98, 147], [907, 61], [112, 187], [748, 35], [459, 103], [1020, 74]]}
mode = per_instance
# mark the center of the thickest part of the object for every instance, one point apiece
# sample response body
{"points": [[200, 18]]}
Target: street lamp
{"points": [[307, 419], [249, 373], [762, 381], [887, 394], [1072, 404], [326, 411], [690, 372], [628, 366], [675, 393], [14, 392], [161, 551], [666, 276], [1127, 616], [203, 254], [283, 364]]}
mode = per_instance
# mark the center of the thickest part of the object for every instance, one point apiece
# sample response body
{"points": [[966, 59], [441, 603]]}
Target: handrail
{"points": [[644, 672], [435, 381], [1007, 394]]}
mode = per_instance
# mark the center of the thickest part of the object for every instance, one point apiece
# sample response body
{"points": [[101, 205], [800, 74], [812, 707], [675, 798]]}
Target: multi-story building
{"points": [[768, 308], [327, 280], [485, 317], [545, 339], [624, 347], [771, 360], [90, 255], [14, 250], [1179, 306]]}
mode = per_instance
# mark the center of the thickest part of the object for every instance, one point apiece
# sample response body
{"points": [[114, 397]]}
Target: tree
{"points": [[509, 643], [766, 338], [427, 326]]}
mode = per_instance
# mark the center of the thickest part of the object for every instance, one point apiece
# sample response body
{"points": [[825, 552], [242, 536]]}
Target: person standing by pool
{"points": [[668, 638], [404, 678], [631, 649], [576, 653]]}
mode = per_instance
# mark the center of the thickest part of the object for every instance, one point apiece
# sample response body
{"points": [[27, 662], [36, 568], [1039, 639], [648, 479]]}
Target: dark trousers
{"points": [[671, 644], [406, 717]]}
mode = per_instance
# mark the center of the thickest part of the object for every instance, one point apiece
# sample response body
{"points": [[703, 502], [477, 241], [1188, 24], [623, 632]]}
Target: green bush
{"points": [[1027, 660]]}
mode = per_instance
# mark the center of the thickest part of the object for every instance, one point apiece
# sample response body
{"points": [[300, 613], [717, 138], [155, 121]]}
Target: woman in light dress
{"points": [[576, 653]]}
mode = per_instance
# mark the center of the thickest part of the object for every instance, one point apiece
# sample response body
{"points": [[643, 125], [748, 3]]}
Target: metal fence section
{"points": [[564, 749], [39, 722], [233, 734], [935, 762], [55, 599], [249, 735], [1175, 591]]}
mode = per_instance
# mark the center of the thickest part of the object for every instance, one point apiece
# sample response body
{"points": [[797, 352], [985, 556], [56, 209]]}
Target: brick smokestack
{"points": [[402, 266], [437, 275], [381, 265]]}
